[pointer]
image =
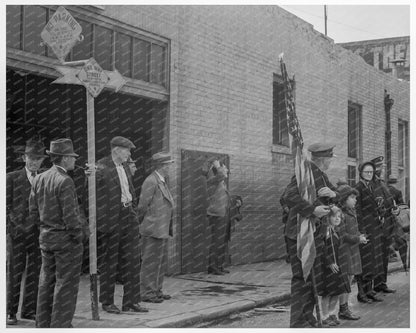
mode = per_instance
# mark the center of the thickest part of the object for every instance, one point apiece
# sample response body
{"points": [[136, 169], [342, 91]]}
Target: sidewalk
{"points": [[196, 297]]}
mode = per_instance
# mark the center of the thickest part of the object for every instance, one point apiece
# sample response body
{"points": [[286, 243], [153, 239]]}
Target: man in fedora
{"points": [[53, 203], [22, 235], [156, 217], [118, 228]]}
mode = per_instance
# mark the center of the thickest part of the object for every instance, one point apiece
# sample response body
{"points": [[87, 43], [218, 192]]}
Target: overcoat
{"points": [[350, 246], [155, 208], [369, 224]]}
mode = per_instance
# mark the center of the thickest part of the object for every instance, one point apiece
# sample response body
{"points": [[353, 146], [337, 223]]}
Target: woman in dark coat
{"points": [[370, 225]]}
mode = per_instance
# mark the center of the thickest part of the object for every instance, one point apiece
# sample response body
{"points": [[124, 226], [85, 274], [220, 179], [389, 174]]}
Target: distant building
{"points": [[380, 53]]}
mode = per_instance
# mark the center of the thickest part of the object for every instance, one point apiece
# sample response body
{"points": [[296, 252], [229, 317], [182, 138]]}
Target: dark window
{"points": [[35, 21], [351, 177], [354, 130], [141, 59], [157, 64], [123, 54], [403, 142], [369, 58], [83, 50], [280, 129], [103, 47], [14, 26]]}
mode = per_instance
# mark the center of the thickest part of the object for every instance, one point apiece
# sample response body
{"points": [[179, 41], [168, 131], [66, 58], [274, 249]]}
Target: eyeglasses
{"points": [[368, 172]]}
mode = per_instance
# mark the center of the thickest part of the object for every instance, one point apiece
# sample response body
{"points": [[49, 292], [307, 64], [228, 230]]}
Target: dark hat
{"points": [[392, 180], [162, 158], [342, 181], [62, 147], [378, 161], [345, 191], [33, 148], [320, 149], [119, 141]]}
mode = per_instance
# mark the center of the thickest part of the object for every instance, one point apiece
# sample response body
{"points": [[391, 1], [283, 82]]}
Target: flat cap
{"points": [[378, 161], [320, 149], [162, 158], [119, 141]]}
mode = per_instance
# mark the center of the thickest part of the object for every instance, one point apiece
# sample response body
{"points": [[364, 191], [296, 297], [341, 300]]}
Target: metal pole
{"points": [[326, 18], [92, 214]]}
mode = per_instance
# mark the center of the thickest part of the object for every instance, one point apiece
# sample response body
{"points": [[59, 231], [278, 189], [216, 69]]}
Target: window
{"points": [[134, 55], [354, 130], [352, 175], [280, 129], [403, 142]]}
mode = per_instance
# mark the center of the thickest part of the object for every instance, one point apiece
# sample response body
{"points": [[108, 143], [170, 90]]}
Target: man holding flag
{"points": [[308, 197]]}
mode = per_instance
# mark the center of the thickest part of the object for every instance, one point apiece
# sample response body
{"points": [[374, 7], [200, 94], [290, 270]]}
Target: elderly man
{"points": [[117, 228], [22, 235], [156, 216], [53, 202], [302, 294]]}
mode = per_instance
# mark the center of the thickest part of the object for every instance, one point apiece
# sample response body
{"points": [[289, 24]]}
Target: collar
{"points": [[160, 176], [62, 168], [29, 173]]}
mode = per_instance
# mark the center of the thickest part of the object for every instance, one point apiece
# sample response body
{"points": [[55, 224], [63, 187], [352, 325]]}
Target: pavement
{"points": [[196, 298]]}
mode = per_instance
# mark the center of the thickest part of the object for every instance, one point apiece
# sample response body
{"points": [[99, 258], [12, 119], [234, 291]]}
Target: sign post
{"points": [[60, 34]]}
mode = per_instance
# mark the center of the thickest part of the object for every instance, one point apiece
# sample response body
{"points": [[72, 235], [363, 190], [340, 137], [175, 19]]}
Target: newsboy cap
{"points": [[119, 141], [162, 158], [62, 147], [33, 148], [320, 149], [378, 161], [345, 191]]}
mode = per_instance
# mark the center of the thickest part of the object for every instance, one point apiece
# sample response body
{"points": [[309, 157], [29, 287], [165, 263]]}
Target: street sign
{"points": [[61, 33], [93, 77]]}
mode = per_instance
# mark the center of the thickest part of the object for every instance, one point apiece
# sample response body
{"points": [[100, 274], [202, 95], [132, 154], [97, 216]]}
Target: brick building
{"points": [[204, 81], [381, 52]]}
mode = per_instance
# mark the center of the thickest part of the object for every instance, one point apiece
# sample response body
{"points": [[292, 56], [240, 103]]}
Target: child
{"points": [[335, 281], [349, 252]]}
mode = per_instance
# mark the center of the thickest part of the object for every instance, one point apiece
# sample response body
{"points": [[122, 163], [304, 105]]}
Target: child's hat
{"points": [[345, 191]]}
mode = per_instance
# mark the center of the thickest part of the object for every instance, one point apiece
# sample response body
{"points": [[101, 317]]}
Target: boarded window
{"points": [[280, 129], [352, 175], [354, 130]]}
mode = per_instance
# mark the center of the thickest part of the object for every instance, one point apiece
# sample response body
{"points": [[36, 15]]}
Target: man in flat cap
{"points": [[63, 228], [385, 208], [117, 228], [156, 218], [22, 235], [302, 294]]}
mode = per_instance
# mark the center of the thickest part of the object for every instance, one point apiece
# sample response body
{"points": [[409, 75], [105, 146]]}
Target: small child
{"points": [[349, 252], [335, 281]]}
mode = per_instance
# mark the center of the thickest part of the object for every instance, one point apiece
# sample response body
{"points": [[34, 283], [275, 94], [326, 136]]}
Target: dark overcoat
{"points": [[369, 224]]}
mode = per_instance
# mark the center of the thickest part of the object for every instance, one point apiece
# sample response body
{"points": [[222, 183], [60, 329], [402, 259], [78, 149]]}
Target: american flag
{"points": [[304, 178]]}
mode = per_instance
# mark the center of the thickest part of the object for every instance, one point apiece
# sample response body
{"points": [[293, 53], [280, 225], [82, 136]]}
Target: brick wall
{"points": [[222, 64]]}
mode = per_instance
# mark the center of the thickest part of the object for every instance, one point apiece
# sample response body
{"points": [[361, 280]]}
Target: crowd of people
{"points": [[355, 228], [48, 230]]}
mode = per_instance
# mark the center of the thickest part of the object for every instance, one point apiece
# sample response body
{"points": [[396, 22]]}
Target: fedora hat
{"points": [[33, 148], [62, 147]]}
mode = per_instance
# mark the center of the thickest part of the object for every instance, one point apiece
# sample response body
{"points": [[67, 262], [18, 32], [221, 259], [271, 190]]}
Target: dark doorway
{"points": [[194, 232], [36, 107]]}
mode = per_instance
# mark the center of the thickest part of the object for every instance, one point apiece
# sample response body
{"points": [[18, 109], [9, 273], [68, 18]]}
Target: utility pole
{"points": [[326, 19]]}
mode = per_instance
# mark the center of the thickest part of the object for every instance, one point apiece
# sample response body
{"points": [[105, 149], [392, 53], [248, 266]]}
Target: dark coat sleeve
{"points": [[295, 202]]}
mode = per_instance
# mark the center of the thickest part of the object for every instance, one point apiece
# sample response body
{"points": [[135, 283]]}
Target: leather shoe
{"points": [[374, 298], [30, 316], [11, 319], [226, 271], [134, 308], [364, 299], [386, 290], [152, 300], [111, 308]]}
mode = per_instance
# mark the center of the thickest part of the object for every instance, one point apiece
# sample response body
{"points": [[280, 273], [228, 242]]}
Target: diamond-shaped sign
{"points": [[61, 33], [93, 77]]}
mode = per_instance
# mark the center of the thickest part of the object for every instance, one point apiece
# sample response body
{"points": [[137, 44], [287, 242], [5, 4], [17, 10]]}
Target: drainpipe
{"points": [[388, 103]]}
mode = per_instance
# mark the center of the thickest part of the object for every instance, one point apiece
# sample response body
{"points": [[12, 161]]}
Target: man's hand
{"points": [[363, 239], [326, 192], [216, 164], [321, 211], [334, 268], [90, 169]]}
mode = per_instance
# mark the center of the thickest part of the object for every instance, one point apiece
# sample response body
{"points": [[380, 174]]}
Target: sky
{"points": [[347, 23]]}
